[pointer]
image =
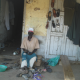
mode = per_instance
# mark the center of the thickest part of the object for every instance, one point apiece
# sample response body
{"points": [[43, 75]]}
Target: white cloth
{"points": [[6, 17], [31, 29], [24, 63]]}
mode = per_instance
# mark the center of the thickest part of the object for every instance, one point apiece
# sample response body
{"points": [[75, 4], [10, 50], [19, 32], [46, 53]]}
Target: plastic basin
{"points": [[3, 68]]}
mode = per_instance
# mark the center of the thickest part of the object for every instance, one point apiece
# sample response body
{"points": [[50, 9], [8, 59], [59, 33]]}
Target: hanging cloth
{"points": [[74, 31], [69, 3], [69, 8], [68, 16], [6, 17]]}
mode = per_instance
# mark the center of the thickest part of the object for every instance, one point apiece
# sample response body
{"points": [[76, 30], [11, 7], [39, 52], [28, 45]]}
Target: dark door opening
{"points": [[18, 11], [14, 41]]}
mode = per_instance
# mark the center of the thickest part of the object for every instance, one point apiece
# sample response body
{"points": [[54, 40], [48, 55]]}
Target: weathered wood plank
{"points": [[51, 45], [68, 73]]}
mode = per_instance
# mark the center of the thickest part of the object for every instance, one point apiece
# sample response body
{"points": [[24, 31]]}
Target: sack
{"points": [[53, 61]]}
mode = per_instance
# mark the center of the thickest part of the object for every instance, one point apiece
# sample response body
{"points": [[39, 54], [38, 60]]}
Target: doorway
{"points": [[18, 11], [14, 35]]}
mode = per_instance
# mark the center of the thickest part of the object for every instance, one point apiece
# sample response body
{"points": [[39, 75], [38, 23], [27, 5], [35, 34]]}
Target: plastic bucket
{"points": [[3, 68]]}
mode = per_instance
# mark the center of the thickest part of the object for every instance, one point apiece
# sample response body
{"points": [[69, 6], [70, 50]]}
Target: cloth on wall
{"points": [[71, 31], [69, 8], [69, 3], [68, 16], [74, 30], [6, 17]]}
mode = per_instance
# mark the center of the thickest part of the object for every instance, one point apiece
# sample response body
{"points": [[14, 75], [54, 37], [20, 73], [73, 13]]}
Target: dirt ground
{"points": [[57, 74], [10, 74]]}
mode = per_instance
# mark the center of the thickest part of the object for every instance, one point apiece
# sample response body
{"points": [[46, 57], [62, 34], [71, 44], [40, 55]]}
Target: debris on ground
{"points": [[3, 50], [75, 62], [2, 45], [15, 53], [5, 59], [10, 61], [60, 63], [35, 73], [4, 63], [13, 62], [25, 77], [18, 51], [19, 75], [36, 76]]}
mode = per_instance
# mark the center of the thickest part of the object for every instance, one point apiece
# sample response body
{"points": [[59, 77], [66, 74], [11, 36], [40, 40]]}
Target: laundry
{"points": [[73, 32], [69, 3], [6, 18], [68, 16], [69, 8]]}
